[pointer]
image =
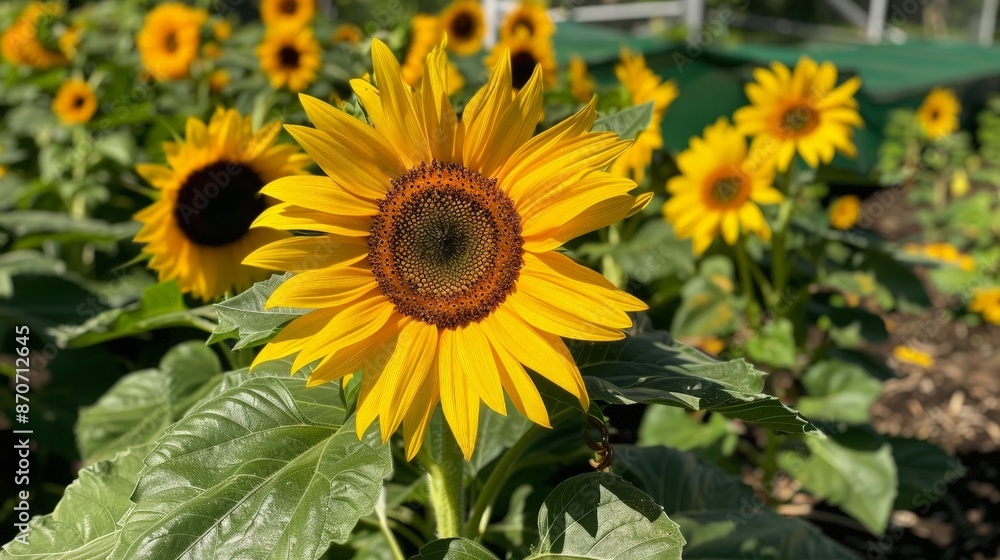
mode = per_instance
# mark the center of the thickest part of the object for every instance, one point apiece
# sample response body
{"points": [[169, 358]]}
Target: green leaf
{"points": [[774, 345], [653, 252], [26, 262], [720, 517], [862, 482], [925, 471], [244, 317], [627, 123], [270, 469], [84, 525], [677, 428], [161, 306], [454, 549], [601, 517], [141, 405], [34, 227], [839, 391], [650, 367], [708, 306]]}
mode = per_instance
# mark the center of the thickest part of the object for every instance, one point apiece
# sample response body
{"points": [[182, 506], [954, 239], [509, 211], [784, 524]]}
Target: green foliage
{"points": [[627, 123], [246, 319], [838, 391]]}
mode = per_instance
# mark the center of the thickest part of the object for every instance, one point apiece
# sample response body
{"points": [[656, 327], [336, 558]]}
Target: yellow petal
{"points": [[339, 164], [294, 336], [297, 254], [459, 400], [475, 358], [350, 326], [323, 287], [319, 193], [521, 388]]}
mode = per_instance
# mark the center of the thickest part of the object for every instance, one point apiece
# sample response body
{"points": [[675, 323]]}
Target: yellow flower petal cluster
{"points": [[938, 114], [910, 355], [289, 56], [529, 18], [290, 13], [21, 42], [844, 212], [169, 39], [462, 21], [75, 102], [986, 302]]}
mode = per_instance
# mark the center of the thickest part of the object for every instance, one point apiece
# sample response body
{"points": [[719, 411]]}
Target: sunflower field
{"points": [[314, 279]]}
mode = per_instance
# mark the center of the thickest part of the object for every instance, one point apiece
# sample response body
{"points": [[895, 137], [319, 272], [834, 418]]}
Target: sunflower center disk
{"points": [[463, 26], [522, 66], [288, 7], [171, 43], [217, 203], [799, 119], [728, 191], [289, 57], [446, 245]]}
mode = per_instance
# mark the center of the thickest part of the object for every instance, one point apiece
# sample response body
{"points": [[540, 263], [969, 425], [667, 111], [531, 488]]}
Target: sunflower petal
{"points": [[297, 254]]}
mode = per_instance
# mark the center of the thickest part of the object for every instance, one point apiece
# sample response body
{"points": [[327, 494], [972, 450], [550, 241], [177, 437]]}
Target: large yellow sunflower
{"points": [[198, 232], [719, 189], [290, 57], [525, 53], [643, 86], [22, 42], [75, 102], [295, 13], [436, 273], [530, 18], [938, 115], [463, 22], [169, 39], [801, 111]]}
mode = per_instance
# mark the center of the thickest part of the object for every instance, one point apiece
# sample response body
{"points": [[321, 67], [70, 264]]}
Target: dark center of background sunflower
{"points": [[463, 26], [288, 7], [170, 42], [935, 115], [728, 191], [217, 203], [289, 57], [522, 66], [78, 102], [446, 245], [799, 119]]}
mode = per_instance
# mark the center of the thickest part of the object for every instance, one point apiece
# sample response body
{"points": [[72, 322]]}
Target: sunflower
{"points": [[75, 102], [290, 57], [719, 189], [525, 54], [801, 111], [425, 33], [218, 79], [938, 114], [643, 86], [845, 211], [29, 40], [436, 273], [198, 232], [581, 83], [347, 33], [295, 13], [986, 302], [530, 18], [169, 39], [463, 22]]}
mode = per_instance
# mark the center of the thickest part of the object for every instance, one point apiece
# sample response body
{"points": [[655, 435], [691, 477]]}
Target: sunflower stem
{"points": [[611, 269], [743, 264], [444, 482], [779, 268]]}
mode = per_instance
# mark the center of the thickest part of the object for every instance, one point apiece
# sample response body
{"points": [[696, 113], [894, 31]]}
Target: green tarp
{"points": [[711, 79]]}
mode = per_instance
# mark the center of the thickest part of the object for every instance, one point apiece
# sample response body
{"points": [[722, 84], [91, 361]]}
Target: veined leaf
{"points": [[454, 549], [243, 317], [269, 469], [627, 123], [838, 391]]}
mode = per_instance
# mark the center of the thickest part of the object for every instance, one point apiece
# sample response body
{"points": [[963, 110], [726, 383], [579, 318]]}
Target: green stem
{"points": [[743, 264], [383, 523], [770, 465], [444, 482], [500, 475], [611, 269], [779, 256]]}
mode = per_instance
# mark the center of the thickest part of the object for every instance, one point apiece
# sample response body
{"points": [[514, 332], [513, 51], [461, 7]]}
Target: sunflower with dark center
{"points": [[75, 102], [801, 111], [22, 42], [462, 22], [938, 114], [435, 273], [290, 57], [721, 184], [529, 18], [293, 13], [525, 54], [198, 232], [169, 39]]}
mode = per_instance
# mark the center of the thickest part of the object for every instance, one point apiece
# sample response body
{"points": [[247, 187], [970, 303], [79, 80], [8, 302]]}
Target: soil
{"points": [[955, 403]]}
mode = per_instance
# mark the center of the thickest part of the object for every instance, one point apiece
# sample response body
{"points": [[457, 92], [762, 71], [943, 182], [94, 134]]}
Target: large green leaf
{"points": [[838, 391], [650, 367], [925, 471], [84, 525], [862, 482], [244, 317], [161, 306], [141, 405], [454, 549], [677, 428], [269, 469], [720, 517], [774, 345], [602, 517], [651, 253], [627, 123]]}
